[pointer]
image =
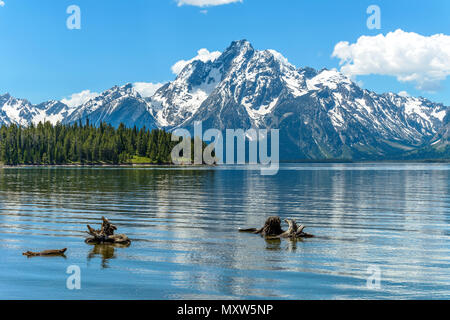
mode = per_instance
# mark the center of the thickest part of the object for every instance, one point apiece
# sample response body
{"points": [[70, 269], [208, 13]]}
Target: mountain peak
{"points": [[127, 86], [240, 46], [117, 92]]}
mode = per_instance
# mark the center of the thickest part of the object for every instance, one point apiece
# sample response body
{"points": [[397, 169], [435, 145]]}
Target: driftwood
{"points": [[46, 253], [295, 231], [272, 229], [106, 234]]}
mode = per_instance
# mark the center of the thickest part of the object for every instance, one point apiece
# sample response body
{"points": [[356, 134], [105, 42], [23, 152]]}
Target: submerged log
{"points": [[106, 234], [272, 229], [45, 253]]}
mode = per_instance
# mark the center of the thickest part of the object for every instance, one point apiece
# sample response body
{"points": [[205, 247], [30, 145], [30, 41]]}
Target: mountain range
{"points": [[320, 114]]}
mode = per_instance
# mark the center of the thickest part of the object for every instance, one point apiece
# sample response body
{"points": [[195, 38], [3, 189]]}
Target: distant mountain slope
{"points": [[437, 149], [321, 114], [115, 106], [22, 112]]}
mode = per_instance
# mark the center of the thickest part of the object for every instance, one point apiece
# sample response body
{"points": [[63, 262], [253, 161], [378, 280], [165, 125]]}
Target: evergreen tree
{"points": [[45, 143]]}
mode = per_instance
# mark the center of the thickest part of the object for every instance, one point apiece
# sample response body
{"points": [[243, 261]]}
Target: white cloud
{"points": [[146, 89], [78, 99], [403, 94], [206, 3], [203, 55], [2, 3], [411, 57]]}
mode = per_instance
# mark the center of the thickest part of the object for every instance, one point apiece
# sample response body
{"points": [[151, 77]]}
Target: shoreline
{"points": [[367, 161], [149, 165], [144, 165]]}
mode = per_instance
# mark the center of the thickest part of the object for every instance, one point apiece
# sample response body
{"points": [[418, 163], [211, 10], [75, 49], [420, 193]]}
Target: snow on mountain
{"points": [[114, 106], [252, 83], [331, 79], [321, 114], [178, 101], [22, 112], [17, 111], [52, 111]]}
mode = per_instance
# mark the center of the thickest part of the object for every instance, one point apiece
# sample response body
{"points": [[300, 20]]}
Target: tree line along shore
{"points": [[83, 144]]}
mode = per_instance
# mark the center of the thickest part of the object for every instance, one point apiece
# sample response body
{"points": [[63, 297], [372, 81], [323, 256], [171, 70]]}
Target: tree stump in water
{"points": [[106, 234], [272, 230]]}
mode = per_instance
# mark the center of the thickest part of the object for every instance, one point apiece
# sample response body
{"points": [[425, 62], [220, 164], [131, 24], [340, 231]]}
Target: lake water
{"points": [[391, 219]]}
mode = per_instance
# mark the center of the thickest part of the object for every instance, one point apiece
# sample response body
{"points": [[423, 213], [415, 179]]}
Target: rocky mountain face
{"points": [[320, 114], [438, 149]]}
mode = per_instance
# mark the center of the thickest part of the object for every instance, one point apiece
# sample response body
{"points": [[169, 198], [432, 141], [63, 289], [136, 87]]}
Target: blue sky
{"points": [[139, 40]]}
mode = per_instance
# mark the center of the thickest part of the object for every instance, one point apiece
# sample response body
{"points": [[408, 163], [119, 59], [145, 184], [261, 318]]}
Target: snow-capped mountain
{"points": [[178, 101], [18, 111], [115, 106], [52, 111], [320, 114], [22, 112]]}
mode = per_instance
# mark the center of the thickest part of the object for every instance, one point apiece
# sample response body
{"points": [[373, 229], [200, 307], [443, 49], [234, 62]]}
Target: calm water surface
{"points": [[184, 223]]}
